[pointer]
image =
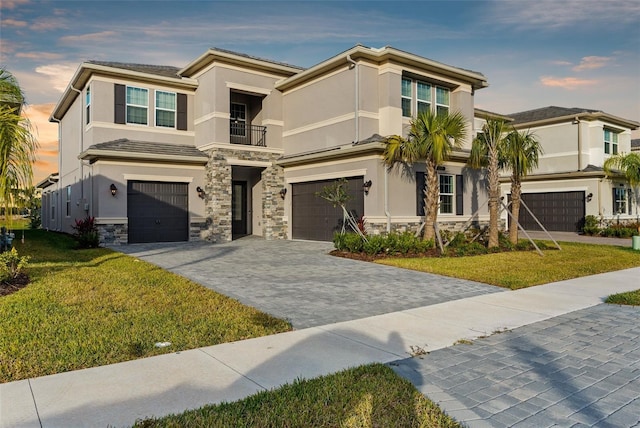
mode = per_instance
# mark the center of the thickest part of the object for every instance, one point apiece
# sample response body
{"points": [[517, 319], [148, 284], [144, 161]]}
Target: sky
{"points": [[534, 53]]}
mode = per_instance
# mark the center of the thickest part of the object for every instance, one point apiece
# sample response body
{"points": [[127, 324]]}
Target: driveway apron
{"points": [[300, 282]]}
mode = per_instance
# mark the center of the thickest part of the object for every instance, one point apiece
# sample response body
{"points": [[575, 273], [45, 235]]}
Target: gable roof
{"points": [[554, 114], [160, 70], [125, 148], [486, 114]]}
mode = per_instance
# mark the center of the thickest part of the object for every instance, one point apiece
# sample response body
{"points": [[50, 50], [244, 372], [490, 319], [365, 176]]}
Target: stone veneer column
{"points": [[218, 199], [274, 226]]}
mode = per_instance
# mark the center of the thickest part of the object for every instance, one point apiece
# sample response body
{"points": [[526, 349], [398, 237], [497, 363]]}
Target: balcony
{"points": [[248, 135]]}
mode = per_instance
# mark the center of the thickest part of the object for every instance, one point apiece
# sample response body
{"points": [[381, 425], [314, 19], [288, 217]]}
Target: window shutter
{"points": [[120, 97], [459, 195], [420, 183], [614, 210], [182, 112]]}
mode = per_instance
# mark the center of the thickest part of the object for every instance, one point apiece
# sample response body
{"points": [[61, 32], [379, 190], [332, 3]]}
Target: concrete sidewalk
{"points": [[119, 394]]}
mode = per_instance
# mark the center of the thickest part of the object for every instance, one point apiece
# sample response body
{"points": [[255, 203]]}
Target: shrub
{"points": [[374, 245], [87, 233], [470, 249], [591, 225], [12, 265]]}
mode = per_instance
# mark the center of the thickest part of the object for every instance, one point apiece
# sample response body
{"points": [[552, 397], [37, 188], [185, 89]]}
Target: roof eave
{"points": [[338, 152], [606, 117], [93, 154], [210, 56]]}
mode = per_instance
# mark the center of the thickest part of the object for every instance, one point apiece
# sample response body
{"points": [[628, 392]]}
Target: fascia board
{"points": [[212, 54], [338, 152], [557, 176], [92, 154], [605, 117]]}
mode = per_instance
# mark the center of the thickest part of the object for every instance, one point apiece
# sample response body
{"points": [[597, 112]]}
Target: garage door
{"points": [[557, 211], [157, 211], [315, 218]]}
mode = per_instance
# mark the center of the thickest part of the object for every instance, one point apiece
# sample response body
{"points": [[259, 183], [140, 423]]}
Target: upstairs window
{"points": [[238, 119], [88, 104], [418, 96], [610, 142], [166, 109], [137, 105]]}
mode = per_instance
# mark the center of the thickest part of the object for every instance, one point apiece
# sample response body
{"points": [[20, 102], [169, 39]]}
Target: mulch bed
{"points": [[8, 287], [369, 258]]}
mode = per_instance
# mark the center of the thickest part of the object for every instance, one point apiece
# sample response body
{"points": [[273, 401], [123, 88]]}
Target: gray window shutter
{"points": [[459, 195], [182, 112], [420, 183], [120, 96]]}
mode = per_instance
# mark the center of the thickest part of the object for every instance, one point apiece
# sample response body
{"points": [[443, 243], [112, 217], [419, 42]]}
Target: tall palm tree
{"points": [[17, 144], [519, 153], [485, 152], [432, 138], [628, 165]]}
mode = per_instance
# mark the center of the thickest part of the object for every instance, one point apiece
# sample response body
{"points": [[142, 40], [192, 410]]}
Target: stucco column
{"points": [[274, 226], [218, 199]]}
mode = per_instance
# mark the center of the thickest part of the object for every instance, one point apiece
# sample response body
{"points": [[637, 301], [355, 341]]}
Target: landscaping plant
{"points": [[86, 233]]}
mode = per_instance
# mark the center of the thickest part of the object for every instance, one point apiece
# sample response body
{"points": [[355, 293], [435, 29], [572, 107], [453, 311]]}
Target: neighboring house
{"points": [[232, 145], [570, 182]]}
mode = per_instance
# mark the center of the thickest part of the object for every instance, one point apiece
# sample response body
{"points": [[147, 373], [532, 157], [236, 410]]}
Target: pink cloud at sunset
{"points": [[568, 83], [46, 134]]}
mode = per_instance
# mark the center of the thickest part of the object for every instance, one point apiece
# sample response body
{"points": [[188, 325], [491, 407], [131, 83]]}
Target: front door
{"points": [[239, 208]]}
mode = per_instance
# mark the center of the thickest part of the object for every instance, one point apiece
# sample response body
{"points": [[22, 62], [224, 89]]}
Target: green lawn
{"points": [[631, 298], [367, 396], [86, 308], [519, 269]]}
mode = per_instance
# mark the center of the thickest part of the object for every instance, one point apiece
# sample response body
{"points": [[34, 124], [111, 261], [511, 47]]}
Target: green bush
{"points": [[375, 245], [469, 249], [12, 265], [392, 243], [591, 225], [86, 233]]}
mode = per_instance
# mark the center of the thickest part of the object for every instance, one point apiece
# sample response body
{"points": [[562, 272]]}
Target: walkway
{"points": [[576, 237], [549, 374]]}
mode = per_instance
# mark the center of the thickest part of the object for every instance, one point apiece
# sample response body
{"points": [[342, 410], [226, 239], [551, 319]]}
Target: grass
{"points": [[15, 224], [520, 269], [86, 308], [365, 396], [631, 298]]}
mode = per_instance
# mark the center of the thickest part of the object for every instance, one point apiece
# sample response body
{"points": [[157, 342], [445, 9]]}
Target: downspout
{"points": [[386, 199], [59, 174], [354, 65], [577, 122]]}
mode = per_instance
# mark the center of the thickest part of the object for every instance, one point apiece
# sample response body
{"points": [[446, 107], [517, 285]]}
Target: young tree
{"points": [[627, 165], [17, 144], [485, 152], [431, 139], [519, 153]]}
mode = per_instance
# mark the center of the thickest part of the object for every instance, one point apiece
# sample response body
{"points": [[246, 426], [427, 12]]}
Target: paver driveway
{"points": [[299, 281]]}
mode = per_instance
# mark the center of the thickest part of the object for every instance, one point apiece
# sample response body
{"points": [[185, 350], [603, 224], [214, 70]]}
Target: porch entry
{"points": [[246, 201], [238, 209]]}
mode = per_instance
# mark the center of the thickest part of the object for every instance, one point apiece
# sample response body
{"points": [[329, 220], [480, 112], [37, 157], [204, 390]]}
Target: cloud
{"points": [[568, 83], [90, 37], [14, 23], [559, 62], [59, 74], [592, 62], [39, 55], [12, 4], [47, 136], [48, 24]]}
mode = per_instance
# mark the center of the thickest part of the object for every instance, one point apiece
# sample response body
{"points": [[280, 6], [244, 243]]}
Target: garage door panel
{"points": [[157, 211], [557, 211], [315, 218]]}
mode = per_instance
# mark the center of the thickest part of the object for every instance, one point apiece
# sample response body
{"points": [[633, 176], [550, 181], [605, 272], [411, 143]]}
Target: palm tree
{"points": [[17, 144], [626, 164], [432, 137], [519, 153], [485, 152]]}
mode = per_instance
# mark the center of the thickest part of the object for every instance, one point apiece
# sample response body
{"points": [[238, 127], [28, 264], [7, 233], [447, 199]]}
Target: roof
{"points": [[486, 114], [160, 70], [50, 180], [385, 54], [125, 148], [635, 144], [555, 114]]}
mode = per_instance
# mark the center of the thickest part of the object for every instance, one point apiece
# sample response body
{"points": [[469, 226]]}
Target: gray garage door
{"points": [[315, 218], [557, 211], [157, 211]]}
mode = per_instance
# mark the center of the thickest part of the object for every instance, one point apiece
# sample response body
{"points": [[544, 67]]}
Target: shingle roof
{"points": [[547, 113], [128, 146], [159, 70]]}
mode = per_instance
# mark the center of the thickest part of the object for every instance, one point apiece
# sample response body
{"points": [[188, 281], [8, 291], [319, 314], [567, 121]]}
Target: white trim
{"points": [[559, 155], [239, 147], [164, 178], [389, 68], [126, 105], [132, 127], [249, 70], [179, 85], [327, 176], [248, 88], [335, 162], [149, 165], [212, 115], [112, 220], [317, 125], [552, 189], [244, 162], [272, 122], [398, 219], [315, 80], [156, 109]]}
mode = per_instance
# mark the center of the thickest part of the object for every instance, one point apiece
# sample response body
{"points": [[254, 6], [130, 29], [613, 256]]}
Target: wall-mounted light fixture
{"points": [[441, 168], [201, 193], [283, 192], [589, 197], [367, 186], [113, 189]]}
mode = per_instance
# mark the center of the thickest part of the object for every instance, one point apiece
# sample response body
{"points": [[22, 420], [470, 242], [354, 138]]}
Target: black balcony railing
{"points": [[250, 135]]}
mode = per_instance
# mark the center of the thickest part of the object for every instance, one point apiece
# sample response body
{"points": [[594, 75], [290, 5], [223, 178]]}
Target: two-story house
{"points": [[231, 145], [570, 182]]}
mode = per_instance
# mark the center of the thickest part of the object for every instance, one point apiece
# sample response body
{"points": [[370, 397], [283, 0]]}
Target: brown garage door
{"points": [[157, 211], [315, 218], [557, 211]]}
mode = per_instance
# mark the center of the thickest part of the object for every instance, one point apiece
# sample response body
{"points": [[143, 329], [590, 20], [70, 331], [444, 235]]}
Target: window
{"points": [[88, 104], [425, 93], [166, 109], [446, 194], [137, 105], [238, 119], [406, 97], [610, 142], [621, 200], [68, 201]]}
